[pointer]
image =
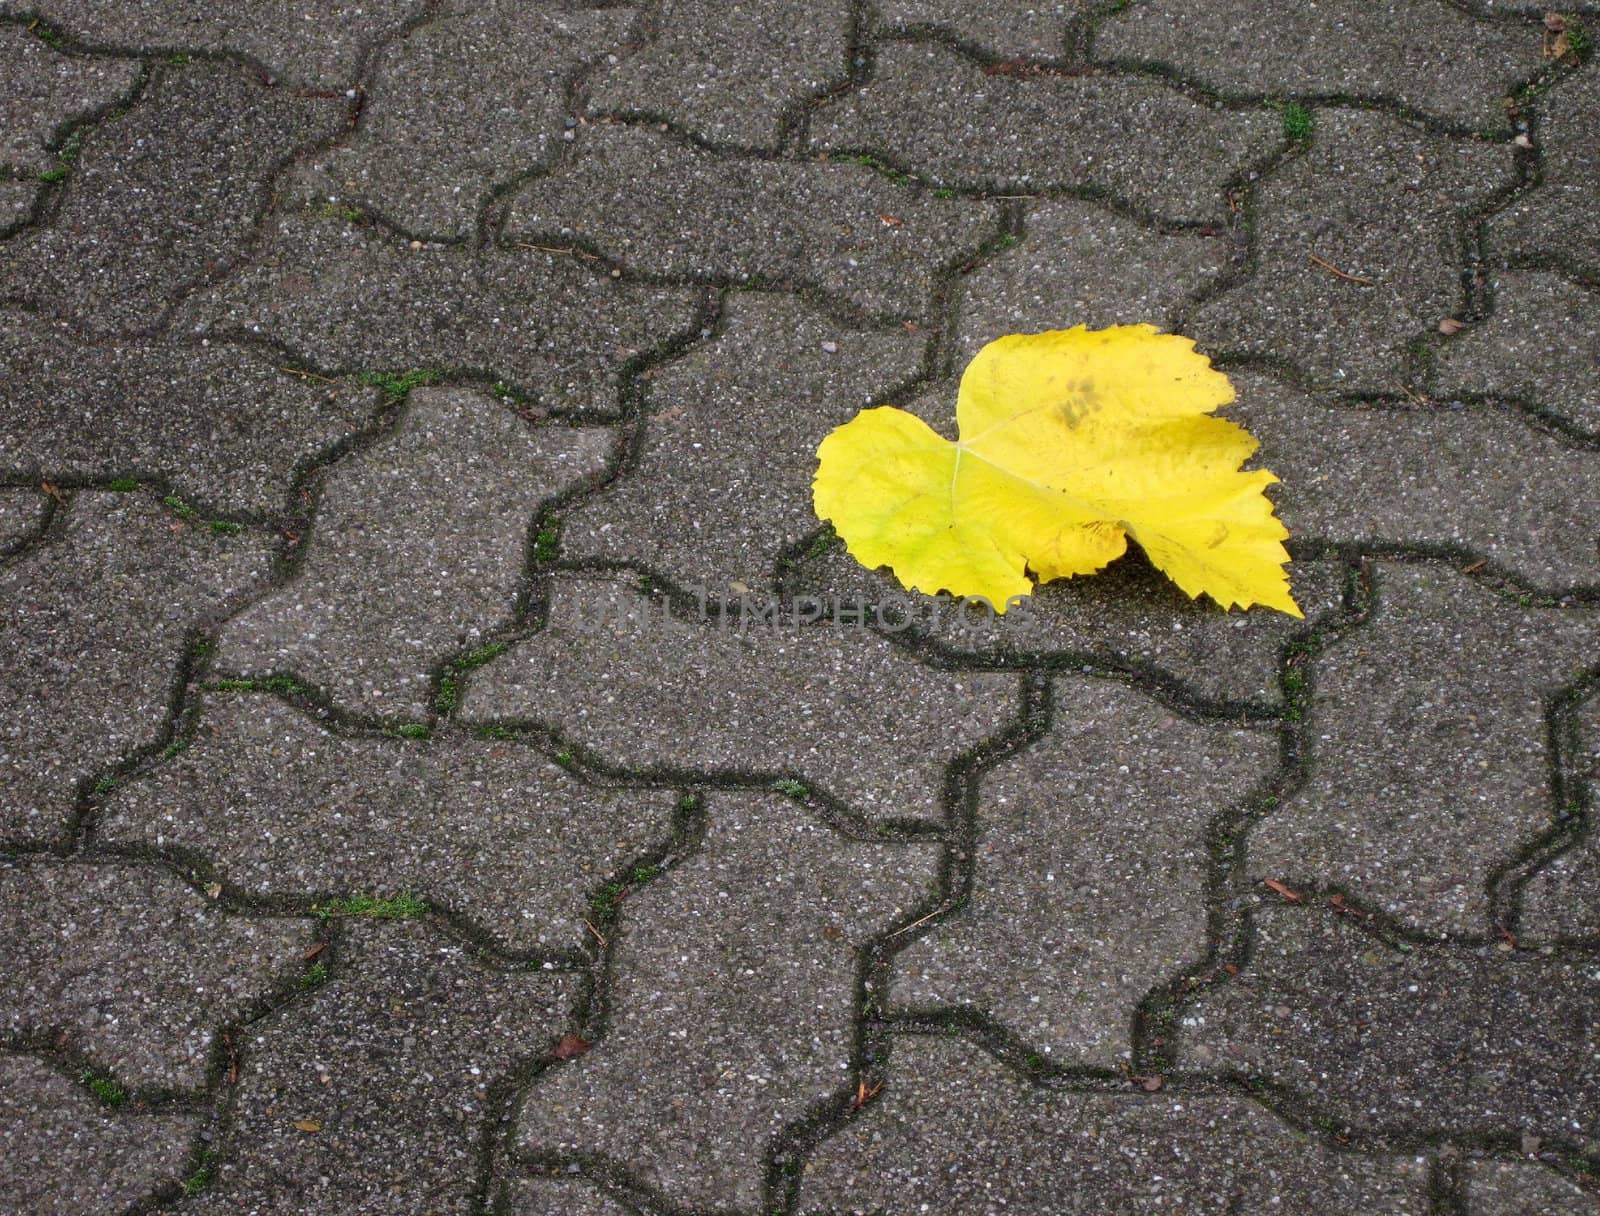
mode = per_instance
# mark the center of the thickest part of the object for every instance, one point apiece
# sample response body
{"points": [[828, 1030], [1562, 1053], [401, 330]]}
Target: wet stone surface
{"points": [[490, 829], [69, 931]]}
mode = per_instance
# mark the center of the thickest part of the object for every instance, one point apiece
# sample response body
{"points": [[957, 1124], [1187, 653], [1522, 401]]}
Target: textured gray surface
{"points": [[69, 930], [436, 514], [960, 1134], [367, 347]]}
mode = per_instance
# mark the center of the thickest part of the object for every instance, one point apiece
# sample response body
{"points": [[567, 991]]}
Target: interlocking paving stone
{"points": [[1031, 29], [936, 113], [217, 422], [493, 830], [729, 73], [1080, 264], [1562, 898], [732, 994], [1520, 1188], [163, 196], [723, 480], [417, 550], [1129, 616], [68, 1154], [1426, 55], [71, 933], [390, 1070], [21, 512], [838, 708], [1554, 221], [956, 1133], [559, 1197], [1073, 917], [1377, 199], [1538, 347], [468, 100], [1518, 495], [43, 91], [16, 204], [1456, 1041], [97, 619], [319, 47], [1419, 789], [843, 228], [354, 298]]}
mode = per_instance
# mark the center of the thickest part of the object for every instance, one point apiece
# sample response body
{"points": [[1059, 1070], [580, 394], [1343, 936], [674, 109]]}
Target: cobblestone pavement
{"points": [[444, 767]]}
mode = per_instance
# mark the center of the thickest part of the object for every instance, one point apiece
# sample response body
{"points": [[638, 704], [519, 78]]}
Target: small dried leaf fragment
{"points": [[310, 1126], [1071, 441], [570, 1047]]}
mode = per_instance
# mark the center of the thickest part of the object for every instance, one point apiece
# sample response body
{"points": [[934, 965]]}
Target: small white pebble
{"points": [[830, 348]]}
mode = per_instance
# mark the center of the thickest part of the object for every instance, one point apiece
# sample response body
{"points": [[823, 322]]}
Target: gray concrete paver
{"points": [[374, 1089], [220, 424], [1419, 789], [1537, 347], [728, 74], [466, 101], [162, 197], [1562, 897], [352, 298], [68, 1154], [491, 829], [957, 1133], [70, 932], [1019, 29], [559, 1197], [418, 552], [1449, 1040], [1072, 921], [841, 228], [1381, 202], [21, 513], [722, 482], [732, 997], [840, 710], [1426, 55], [97, 621], [1143, 143], [44, 91], [1525, 1188]]}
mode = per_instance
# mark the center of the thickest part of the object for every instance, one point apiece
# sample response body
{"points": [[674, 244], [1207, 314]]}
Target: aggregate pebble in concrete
{"points": [[845, 229], [378, 1085], [1419, 789], [316, 48], [163, 197], [69, 935], [1073, 916], [219, 424], [468, 100], [43, 92], [722, 483], [1524, 1188], [729, 73], [1426, 55], [97, 620], [352, 298], [731, 1002], [1555, 221], [68, 1154], [1130, 616], [1527, 500], [418, 549], [838, 708], [936, 113], [1436, 1040], [1081, 264], [1562, 898], [492, 830], [1006, 29], [1381, 201], [1538, 347], [956, 1133]]}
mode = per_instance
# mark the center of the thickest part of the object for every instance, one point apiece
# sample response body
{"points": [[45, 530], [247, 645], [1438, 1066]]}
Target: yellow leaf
{"points": [[1070, 442]]}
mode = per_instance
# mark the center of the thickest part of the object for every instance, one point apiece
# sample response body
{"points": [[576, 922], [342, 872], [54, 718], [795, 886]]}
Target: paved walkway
{"points": [[446, 769]]}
